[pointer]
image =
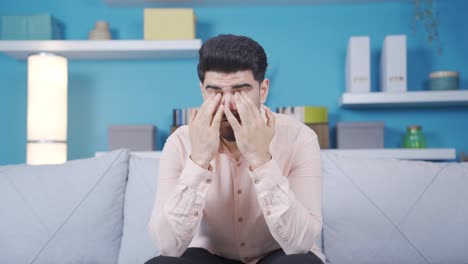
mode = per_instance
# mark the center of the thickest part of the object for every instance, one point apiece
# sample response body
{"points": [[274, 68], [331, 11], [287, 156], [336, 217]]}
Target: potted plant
{"points": [[427, 15]]}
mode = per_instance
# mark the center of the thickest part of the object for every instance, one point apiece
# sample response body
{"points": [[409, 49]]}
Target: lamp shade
{"points": [[47, 109]]}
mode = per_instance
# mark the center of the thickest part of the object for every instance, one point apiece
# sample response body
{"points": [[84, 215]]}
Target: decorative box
{"points": [[315, 117], [393, 75], [322, 131], [34, 27], [169, 23], [133, 137], [358, 78], [360, 135]]}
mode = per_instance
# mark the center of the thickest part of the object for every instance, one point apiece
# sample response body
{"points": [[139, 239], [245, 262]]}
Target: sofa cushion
{"points": [[139, 199], [437, 225], [367, 204], [67, 213]]}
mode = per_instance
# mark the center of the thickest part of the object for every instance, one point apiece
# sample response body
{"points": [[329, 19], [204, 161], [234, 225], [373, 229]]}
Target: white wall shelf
{"points": [[405, 154], [406, 99], [104, 49], [194, 3]]}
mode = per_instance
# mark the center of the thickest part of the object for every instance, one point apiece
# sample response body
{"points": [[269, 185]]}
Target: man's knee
{"points": [[164, 260], [309, 258]]}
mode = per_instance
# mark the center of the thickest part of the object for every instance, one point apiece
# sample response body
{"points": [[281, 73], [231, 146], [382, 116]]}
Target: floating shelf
{"points": [[104, 49], [405, 154], [194, 3], [405, 99]]}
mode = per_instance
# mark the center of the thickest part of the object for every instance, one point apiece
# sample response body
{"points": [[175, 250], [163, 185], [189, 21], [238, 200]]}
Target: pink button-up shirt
{"points": [[234, 212]]}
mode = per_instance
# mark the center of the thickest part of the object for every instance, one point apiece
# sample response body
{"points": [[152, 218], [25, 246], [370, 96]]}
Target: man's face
{"points": [[228, 84]]}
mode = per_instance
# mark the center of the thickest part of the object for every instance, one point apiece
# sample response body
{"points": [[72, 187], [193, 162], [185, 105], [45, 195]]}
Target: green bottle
{"points": [[414, 138]]}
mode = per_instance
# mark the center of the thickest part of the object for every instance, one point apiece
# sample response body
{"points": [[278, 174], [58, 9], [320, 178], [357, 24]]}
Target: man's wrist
{"points": [[202, 164], [260, 161]]}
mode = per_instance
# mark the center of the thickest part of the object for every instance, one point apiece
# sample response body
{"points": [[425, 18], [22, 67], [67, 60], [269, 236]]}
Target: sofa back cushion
{"points": [[68, 213], [139, 199], [394, 211]]}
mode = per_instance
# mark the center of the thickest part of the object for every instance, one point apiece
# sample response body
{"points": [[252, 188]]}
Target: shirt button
{"points": [[256, 181], [242, 244], [239, 191], [268, 212], [208, 181], [240, 219], [195, 214]]}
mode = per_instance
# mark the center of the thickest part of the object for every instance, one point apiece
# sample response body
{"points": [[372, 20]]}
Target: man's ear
{"points": [[202, 90], [264, 89]]}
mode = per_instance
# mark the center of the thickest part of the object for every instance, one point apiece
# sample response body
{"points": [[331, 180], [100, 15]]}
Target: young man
{"points": [[240, 184]]}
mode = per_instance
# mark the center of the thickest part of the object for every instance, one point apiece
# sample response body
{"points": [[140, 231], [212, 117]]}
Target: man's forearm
{"points": [[174, 226], [290, 223]]}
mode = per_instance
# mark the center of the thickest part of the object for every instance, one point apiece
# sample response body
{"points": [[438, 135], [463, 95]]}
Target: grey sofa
{"points": [[95, 211]]}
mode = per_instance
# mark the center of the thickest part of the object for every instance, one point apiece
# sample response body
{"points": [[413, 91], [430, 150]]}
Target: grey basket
{"points": [[133, 137], [360, 135]]}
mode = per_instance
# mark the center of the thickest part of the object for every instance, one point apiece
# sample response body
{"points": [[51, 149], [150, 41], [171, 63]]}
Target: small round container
{"points": [[414, 137], [444, 80]]}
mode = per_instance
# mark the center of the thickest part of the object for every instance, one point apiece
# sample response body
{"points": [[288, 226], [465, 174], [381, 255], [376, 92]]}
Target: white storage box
{"points": [[393, 64], [358, 78]]}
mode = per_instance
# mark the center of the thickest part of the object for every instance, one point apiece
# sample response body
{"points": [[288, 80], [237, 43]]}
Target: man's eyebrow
{"points": [[209, 86], [242, 85], [237, 86]]}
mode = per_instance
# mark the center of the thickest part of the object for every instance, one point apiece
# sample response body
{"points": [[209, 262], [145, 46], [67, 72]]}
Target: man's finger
{"points": [[193, 114], [212, 103], [205, 104], [243, 109], [253, 108], [271, 121], [217, 118], [232, 119]]}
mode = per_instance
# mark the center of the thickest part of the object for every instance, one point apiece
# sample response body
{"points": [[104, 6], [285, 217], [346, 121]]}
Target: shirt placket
{"points": [[239, 211]]}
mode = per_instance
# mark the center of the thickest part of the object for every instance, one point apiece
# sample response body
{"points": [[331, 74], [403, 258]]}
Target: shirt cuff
{"points": [[267, 176], [195, 177]]}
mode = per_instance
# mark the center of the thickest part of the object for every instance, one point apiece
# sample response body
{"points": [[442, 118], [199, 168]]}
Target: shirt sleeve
{"points": [[180, 199], [291, 204]]}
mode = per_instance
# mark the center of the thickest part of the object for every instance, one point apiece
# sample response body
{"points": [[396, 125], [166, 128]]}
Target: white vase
{"points": [[100, 31]]}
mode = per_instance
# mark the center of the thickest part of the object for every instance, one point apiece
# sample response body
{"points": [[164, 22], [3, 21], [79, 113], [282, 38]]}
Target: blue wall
{"points": [[306, 47]]}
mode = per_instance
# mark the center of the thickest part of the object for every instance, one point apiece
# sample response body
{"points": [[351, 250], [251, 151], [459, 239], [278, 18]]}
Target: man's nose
{"points": [[228, 101]]}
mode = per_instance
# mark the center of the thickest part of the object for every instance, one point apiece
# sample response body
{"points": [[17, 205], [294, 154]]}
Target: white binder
{"points": [[393, 75], [358, 78]]}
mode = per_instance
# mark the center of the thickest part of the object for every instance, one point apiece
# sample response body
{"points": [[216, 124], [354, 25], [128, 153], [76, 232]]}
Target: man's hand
{"points": [[253, 136], [204, 131]]}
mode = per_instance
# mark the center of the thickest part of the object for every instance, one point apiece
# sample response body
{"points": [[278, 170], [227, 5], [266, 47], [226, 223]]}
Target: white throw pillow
{"points": [[139, 199], [67, 213]]}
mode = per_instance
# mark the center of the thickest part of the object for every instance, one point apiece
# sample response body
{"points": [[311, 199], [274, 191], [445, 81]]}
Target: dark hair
{"points": [[231, 53]]}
